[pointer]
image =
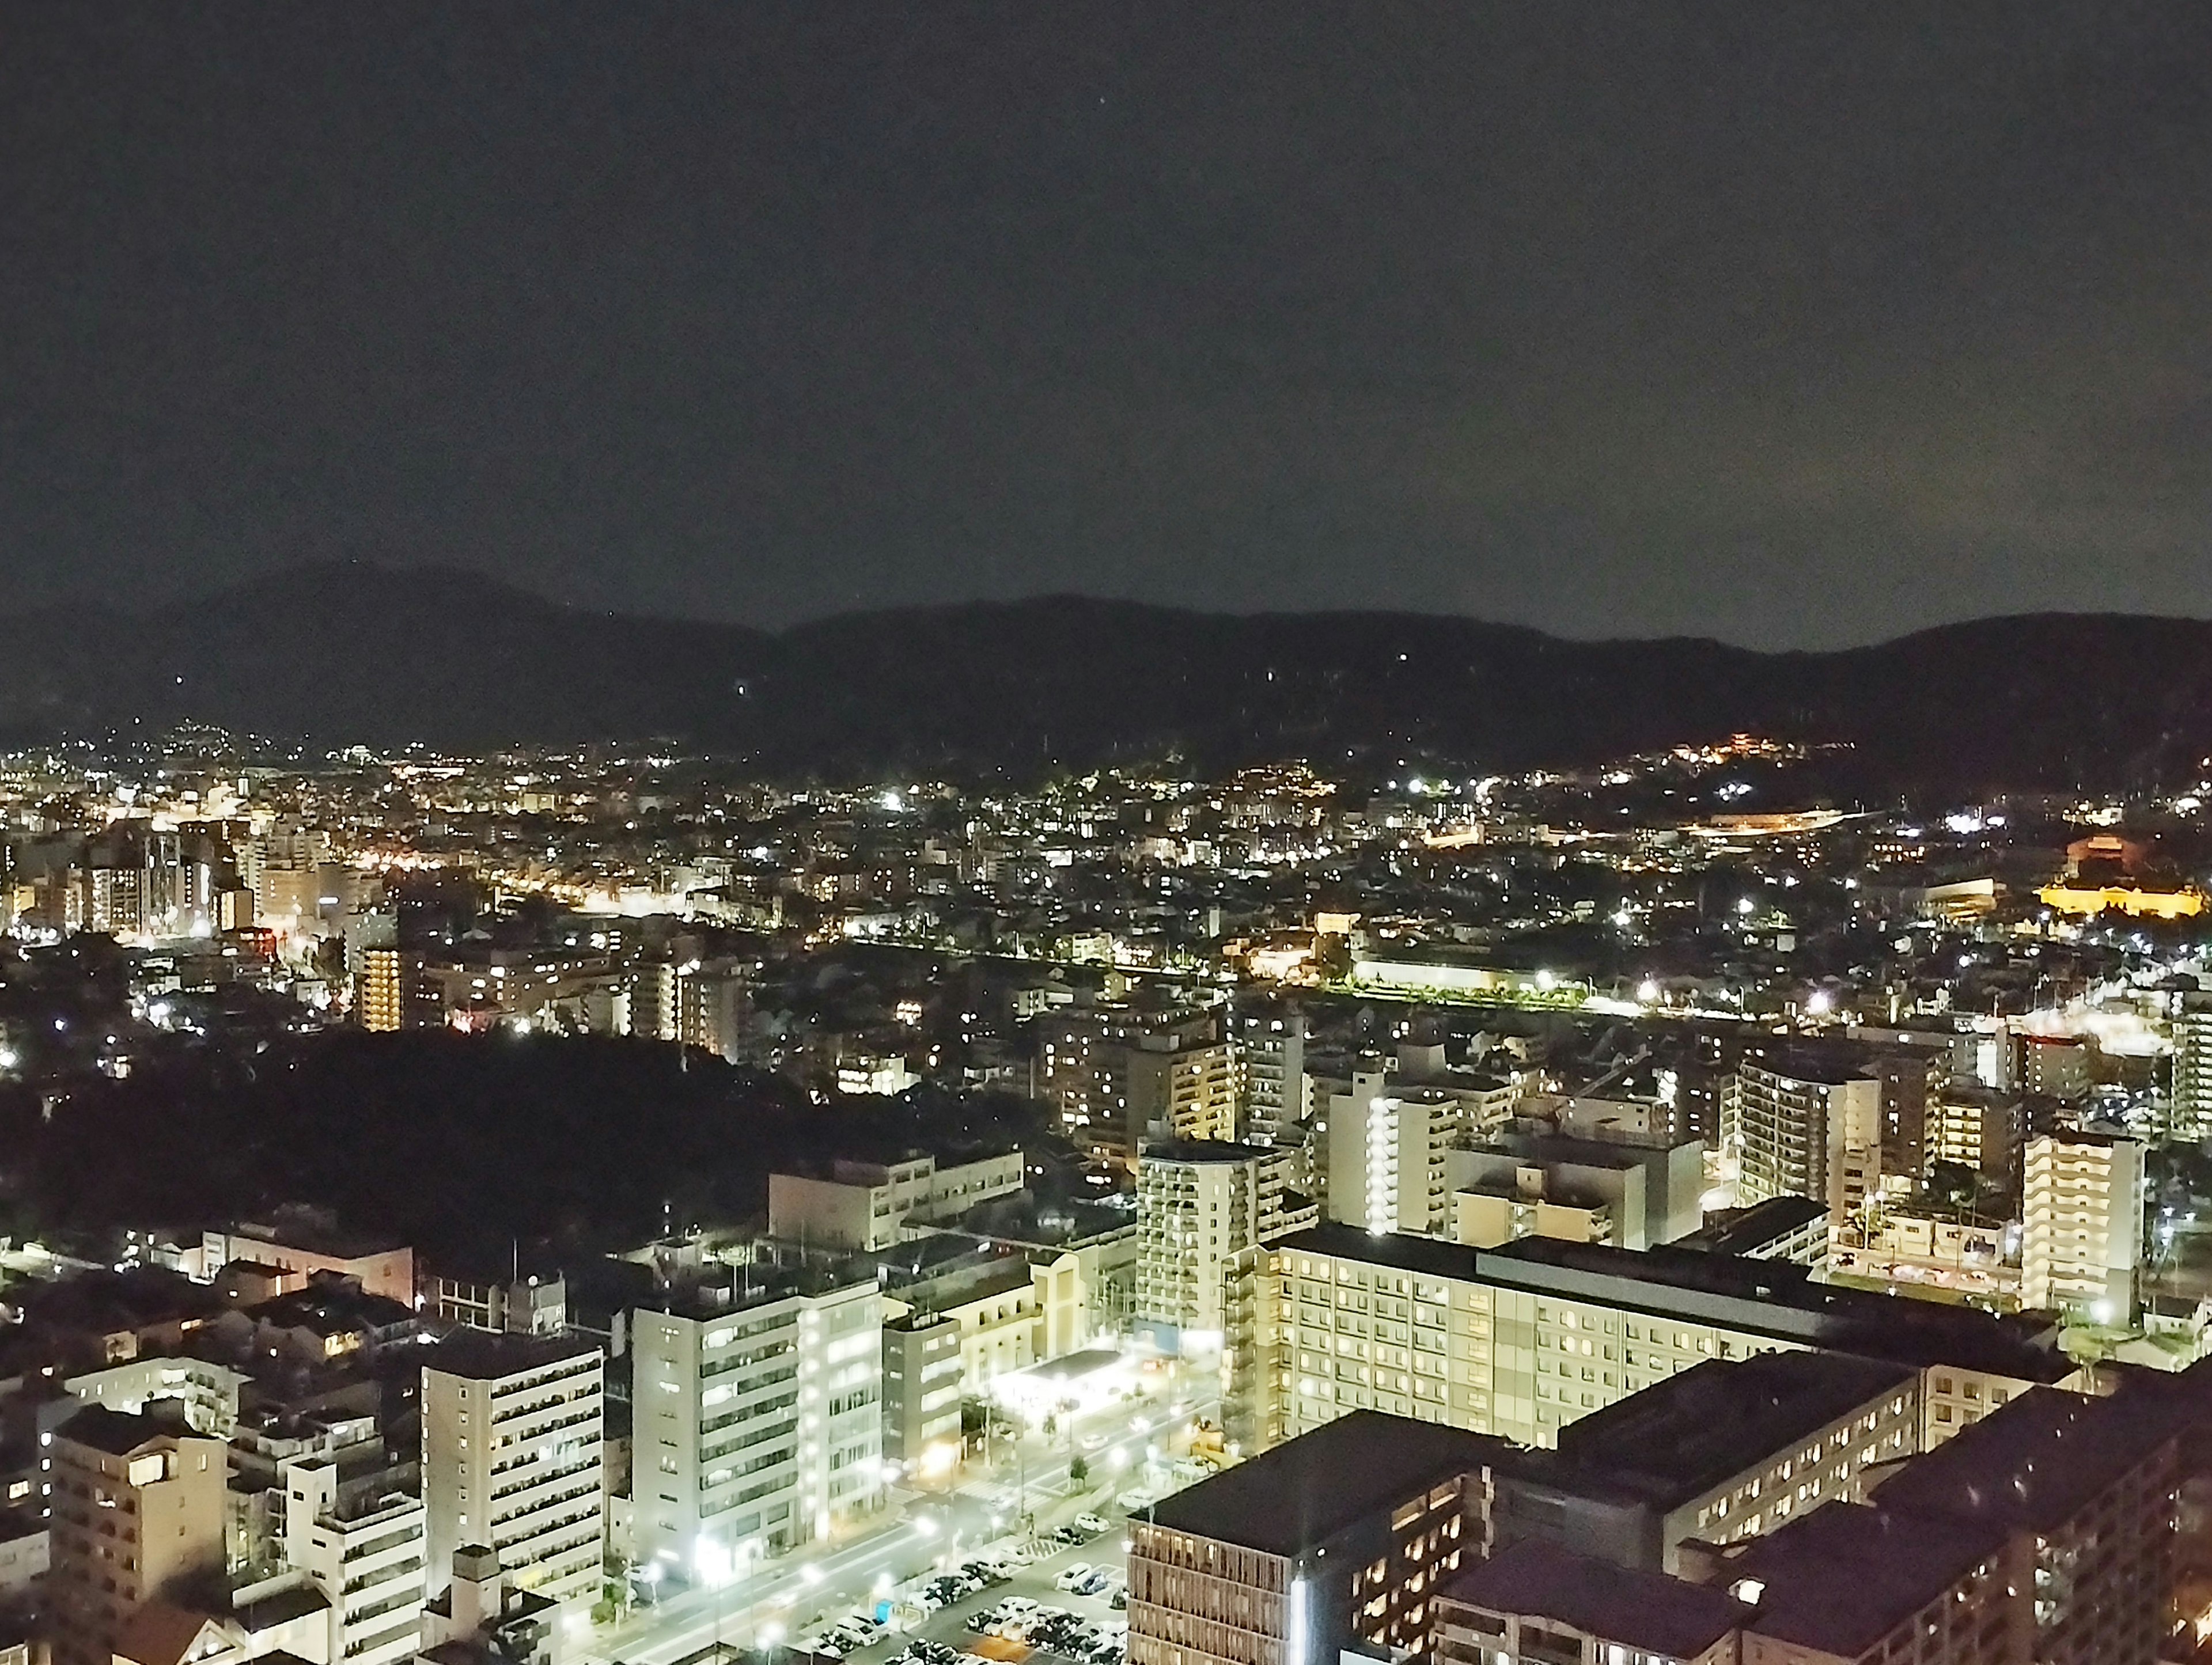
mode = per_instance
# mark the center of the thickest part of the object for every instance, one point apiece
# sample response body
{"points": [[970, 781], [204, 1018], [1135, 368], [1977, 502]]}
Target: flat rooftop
{"points": [[482, 1355], [2036, 1461], [1307, 1489], [1774, 1299], [1841, 1578], [1681, 1437], [1648, 1611]]}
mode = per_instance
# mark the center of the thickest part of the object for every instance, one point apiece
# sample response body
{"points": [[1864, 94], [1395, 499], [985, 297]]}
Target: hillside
{"points": [[345, 654]]}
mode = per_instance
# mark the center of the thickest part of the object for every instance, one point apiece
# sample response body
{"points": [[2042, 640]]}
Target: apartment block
{"points": [[1386, 1146], [1723, 1452], [1808, 1125], [865, 1205], [2081, 1224], [921, 1394], [1204, 1210], [1520, 1341], [362, 1546], [756, 1414], [512, 1458], [138, 1511], [1270, 1040]]}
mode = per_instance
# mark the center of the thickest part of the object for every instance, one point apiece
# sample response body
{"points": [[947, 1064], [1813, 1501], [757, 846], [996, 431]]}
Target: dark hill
{"points": [[341, 654]]}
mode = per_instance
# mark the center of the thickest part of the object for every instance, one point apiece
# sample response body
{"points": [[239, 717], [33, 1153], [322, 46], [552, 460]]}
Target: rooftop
{"points": [[1648, 1611], [1307, 1489], [1202, 1149], [1840, 1577], [2038, 1461], [1772, 1299], [117, 1433], [1739, 1231], [480, 1355], [1678, 1438]]}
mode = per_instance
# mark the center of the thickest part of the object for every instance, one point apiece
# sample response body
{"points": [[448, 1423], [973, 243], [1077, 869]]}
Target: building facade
{"points": [[513, 1458]]}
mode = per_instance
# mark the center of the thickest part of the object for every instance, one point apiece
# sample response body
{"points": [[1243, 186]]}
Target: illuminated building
{"points": [[511, 1457], [865, 1205], [922, 1394], [1807, 1126], [2128, 899], [1306, 1553], [1204, 1210], [1519, 1341], [2082, 1224], [380, 990], [757, 1416]]}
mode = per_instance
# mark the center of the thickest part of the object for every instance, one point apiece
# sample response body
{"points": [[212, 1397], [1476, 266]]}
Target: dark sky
{"points": [[1790, 324]]}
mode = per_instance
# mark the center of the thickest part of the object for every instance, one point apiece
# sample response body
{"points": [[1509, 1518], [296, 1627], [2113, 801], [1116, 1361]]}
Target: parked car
{"points": [[1069, 1577]]}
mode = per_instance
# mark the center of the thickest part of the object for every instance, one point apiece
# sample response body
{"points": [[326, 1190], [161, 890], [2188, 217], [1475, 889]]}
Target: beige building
{"points": [[1205, 1208], [1520, 1341], [302, 1249], [2081, 1228], [865, 1205], [138, 1511], [1386, 1149], [511, 1458]]}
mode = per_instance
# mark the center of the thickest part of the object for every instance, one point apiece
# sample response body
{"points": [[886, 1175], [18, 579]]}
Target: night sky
{"points": [[1795, 325]]}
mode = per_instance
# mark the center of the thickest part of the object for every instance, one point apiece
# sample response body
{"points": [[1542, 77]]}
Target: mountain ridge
{"points": [[355, 653]]}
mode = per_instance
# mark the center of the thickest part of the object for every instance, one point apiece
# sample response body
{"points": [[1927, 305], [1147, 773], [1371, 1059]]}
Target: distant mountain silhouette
{"points": [[341, 654]]}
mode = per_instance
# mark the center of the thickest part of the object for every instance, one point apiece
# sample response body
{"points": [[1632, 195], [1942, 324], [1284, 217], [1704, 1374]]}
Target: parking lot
{"points": [[1055, 1602]]}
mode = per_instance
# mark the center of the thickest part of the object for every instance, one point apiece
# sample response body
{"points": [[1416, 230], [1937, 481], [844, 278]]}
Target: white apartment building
{"points": [[2082, 1231], [757, 1417], [1204, 1210], [1519, 1341], [865, 1205], [208, 1391], [364, 1554], [1386, 1146], [2191, 1097], [513, 1458]]}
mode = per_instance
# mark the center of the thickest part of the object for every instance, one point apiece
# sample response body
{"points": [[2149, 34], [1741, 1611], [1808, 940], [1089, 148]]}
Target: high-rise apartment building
{"points": [[1117, 1076], [1205, 1212], [757, 1415], [138, 1513], [2190, 1097], [512, 1458], [2056, 1066], [1270, 1038], [380, 990], [2081, 1224], [1386, 1149], [1807, 1126], [361, 1545]]}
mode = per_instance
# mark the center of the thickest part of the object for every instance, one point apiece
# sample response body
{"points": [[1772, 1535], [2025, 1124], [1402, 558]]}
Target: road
{"points": [[920, 1532]]}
